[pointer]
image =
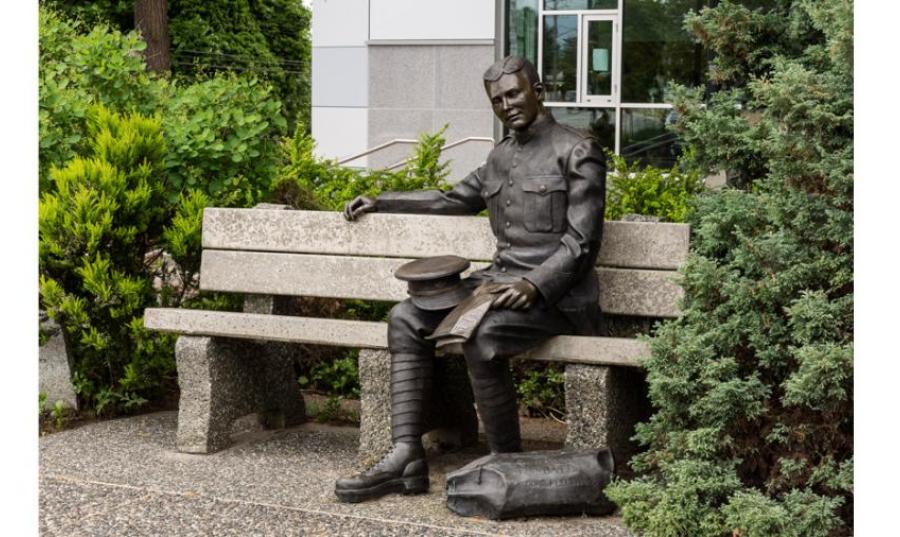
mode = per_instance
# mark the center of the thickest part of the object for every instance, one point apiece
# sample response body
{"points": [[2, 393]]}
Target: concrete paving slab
{"points": [[125, 477]]}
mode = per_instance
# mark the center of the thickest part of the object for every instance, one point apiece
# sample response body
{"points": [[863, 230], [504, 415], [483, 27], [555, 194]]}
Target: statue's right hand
{"points": [[359, 206]]}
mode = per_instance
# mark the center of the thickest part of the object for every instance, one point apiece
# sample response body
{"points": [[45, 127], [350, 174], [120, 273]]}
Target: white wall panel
{"points": [[431, 19], [340, 76], [340, 23], [340, 132]]}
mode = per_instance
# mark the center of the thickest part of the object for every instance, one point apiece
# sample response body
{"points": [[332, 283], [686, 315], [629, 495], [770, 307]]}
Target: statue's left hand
{"points": [[517, 296], [359, 206]]}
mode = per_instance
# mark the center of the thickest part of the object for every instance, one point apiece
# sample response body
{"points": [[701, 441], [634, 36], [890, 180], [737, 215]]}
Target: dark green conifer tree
{"points": [[752, 431]]}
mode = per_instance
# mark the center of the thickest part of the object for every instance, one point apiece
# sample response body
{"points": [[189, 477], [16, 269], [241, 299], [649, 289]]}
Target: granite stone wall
{"points": [[419, 88]]}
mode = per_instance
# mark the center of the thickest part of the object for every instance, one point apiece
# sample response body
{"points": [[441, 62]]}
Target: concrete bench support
{"points": [[451, 417], [603, 404], [224, 379]]}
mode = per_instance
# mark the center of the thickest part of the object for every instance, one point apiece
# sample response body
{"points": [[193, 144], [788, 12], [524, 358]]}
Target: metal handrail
{"points": [[377, 148], [407, 141], [448, 146]]}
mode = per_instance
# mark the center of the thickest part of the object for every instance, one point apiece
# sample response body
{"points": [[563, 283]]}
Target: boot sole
{"points": [[401, 485]]}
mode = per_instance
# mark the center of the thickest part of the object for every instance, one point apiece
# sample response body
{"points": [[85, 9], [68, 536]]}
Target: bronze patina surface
{"points": [[543, 186]]}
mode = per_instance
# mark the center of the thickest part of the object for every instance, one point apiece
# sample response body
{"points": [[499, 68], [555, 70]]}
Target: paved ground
{"points": [[124, 477]]}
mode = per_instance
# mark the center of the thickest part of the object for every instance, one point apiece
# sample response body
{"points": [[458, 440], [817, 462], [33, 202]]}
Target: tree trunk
{"points": [[152, 21]]}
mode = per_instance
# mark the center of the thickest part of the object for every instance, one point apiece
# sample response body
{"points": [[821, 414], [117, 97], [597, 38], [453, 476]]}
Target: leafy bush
{"points": [[123, 195], [307, 181], [337, 377], [221, 133], [753, 387], [541, 388], [222, 139], [269, 39], [78, 70], [666, 194], [104, 212]]}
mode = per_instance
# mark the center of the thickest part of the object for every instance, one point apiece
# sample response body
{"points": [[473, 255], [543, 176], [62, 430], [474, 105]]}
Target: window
{"points": [[605, 65], [599, 122], [646, 139], [560, 58], [656, 50], [561, 5], [522, 29]]}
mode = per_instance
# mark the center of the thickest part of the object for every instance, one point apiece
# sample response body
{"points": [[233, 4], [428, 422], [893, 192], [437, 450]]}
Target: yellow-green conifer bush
{"points": [[106, 211], [752, 431]]}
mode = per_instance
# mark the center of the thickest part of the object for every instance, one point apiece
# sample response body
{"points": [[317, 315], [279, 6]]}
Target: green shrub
{"points": [[269, 39], [541, 389], [222, 135], [104, 212], [123, 194], [752, 432], [307, 181], [339, 377], [650, 191], [78, 69]]}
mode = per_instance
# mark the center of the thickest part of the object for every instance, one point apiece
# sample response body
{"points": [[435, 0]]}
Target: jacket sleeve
{"points": [[464, 198], [586, 178]]}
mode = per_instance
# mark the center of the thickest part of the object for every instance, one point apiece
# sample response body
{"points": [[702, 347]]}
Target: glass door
{"points": [[599, 59]]}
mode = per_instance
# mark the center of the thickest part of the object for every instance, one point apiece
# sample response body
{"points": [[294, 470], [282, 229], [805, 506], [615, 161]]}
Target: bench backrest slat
{"points": [[625, 244], [648, 293]]}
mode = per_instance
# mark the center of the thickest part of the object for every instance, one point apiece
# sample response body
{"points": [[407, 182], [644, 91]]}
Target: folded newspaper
{"points": [[459, 325]]}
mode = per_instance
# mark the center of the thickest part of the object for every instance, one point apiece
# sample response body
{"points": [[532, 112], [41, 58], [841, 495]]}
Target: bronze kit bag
{"points": [[511, 485]]}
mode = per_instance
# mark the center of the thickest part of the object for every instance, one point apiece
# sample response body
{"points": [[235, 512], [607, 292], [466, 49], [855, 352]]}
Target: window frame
{"points": [[615, 102]]}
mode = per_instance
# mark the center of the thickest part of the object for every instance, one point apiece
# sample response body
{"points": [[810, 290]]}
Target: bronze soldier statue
{"points": [[543, 186]]}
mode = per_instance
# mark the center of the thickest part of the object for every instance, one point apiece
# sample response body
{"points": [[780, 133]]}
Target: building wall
{"points": [[431, 19], [394, 69], [340, 100], [420, 88]]}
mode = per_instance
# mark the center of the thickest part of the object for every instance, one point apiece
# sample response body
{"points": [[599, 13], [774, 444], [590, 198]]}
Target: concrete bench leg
{"points": [[452, 413], [282, 403], [222, 380], [603, 405], [374, 404]]}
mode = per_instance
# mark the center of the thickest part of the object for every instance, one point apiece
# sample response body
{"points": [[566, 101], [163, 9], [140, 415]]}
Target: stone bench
{"points": [[231, 364]]}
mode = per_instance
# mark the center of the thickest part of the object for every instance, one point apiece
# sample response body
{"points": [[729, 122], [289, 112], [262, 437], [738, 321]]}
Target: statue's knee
{"points": [[402, 316], [403, 331]]}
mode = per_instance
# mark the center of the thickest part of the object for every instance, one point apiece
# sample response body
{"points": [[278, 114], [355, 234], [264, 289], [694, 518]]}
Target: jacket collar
{"points": [[537, 128]]}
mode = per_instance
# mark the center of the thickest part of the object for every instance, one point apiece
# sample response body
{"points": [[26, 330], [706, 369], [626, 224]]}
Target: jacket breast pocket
{"points": [[545, 201], [492, 202]]}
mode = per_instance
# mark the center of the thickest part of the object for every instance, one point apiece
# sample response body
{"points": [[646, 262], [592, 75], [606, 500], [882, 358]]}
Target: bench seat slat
{"points": [[625, 244], [365, 334], [623, 291]]}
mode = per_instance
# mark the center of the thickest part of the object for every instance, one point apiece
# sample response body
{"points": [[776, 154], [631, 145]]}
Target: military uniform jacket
{"points": [[544, 189]]}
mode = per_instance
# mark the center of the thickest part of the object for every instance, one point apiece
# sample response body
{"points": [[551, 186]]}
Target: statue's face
{"points": [[516, 102]]}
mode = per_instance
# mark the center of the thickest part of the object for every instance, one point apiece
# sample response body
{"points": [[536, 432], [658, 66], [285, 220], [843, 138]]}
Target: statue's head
{"points": [[515, 91]]}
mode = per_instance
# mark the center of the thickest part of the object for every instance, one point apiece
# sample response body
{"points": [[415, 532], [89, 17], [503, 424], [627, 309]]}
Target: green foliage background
{"points": [[129, 160], [265, 38], [105, 209], [752, 432], [666, 194]]}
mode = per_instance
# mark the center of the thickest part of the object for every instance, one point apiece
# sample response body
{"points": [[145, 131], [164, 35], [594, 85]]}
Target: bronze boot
{"points": [[404, 468]]}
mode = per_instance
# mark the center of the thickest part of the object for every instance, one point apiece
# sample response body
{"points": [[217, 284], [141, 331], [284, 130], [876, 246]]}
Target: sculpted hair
{"points": [[512, 64]]}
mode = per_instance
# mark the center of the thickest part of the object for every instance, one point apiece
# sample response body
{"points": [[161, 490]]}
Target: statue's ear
{"points": [[538, 88]]}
